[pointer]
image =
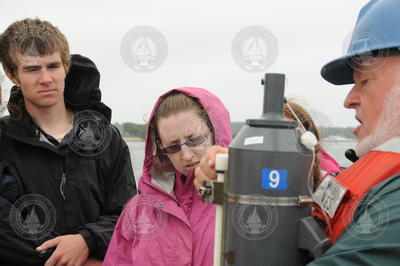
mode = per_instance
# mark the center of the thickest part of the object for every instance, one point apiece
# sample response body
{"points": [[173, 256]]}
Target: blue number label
{"points": [[274, 179]]}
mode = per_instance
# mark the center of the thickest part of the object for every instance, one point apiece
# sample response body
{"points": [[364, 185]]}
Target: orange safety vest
{"points": [[370, 170]]}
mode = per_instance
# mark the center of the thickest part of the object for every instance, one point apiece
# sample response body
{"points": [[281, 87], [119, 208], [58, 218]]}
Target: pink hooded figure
{"points": [[167, 223]]}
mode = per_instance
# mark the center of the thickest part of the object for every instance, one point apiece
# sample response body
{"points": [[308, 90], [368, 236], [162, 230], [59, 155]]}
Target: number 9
{"points": [[274, 179]]}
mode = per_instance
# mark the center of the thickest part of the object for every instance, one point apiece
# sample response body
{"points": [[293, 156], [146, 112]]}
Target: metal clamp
{"points": [[212, 192], [304, 201]]}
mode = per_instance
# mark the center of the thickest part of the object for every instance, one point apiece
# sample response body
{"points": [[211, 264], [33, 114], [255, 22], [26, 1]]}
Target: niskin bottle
{"points": [[266, 184]]}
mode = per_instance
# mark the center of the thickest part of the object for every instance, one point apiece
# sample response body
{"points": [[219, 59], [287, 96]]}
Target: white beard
{"points": [[388, 125]]}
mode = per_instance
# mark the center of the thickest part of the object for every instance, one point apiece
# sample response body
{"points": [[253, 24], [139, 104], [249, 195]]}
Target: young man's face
{"points": [[41, 79], [375, 98]]}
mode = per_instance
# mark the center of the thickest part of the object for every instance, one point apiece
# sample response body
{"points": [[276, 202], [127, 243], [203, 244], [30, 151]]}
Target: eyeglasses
{"points": [[192, 142]]}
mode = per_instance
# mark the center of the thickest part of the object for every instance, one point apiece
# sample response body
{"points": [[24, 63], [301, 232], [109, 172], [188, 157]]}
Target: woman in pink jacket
{"points": [[167, 223]]}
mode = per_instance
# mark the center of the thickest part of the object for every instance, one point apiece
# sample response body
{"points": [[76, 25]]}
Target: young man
{"points": [[72, 168], [366, 225]]}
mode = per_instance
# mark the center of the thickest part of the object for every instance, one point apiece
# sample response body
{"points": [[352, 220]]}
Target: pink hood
{"points": [[167, 223], [217, 113]]}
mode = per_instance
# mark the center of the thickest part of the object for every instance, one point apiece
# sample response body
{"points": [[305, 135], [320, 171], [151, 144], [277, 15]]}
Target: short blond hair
{"points": [[33, 37]]}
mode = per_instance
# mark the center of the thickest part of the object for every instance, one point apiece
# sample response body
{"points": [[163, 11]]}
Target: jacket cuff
{"points": [[89, 241]]}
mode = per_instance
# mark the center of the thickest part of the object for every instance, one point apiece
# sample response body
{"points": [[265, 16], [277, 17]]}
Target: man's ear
{"points": [[12, 78]]}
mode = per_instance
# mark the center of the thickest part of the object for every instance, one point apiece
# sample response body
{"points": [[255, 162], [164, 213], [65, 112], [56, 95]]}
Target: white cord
{"points": [[296, 117], [309, 140]]}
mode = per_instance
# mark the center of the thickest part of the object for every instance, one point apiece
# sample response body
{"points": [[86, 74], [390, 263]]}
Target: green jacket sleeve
{"points": [[373, 236]]}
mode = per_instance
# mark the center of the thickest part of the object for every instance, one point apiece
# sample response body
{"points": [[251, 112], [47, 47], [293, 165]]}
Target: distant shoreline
{"points": [[137, 139], [133, 139], [339, 140]]}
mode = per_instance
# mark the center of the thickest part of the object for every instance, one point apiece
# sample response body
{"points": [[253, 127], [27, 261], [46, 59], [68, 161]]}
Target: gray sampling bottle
{"points": [[267, 173]]}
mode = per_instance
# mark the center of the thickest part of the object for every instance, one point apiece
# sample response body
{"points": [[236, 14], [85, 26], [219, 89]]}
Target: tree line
{"points": [[129, 129]]}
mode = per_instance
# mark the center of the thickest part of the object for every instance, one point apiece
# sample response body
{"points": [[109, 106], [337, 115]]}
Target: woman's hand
{"points": [[206, 168]]}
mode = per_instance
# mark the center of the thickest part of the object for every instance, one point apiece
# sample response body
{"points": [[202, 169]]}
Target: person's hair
{"points": [[33, 37], [308, 123], [177, 102]]}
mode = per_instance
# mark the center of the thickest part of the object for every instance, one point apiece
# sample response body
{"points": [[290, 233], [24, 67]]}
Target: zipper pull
{"points": [[62, 185]]}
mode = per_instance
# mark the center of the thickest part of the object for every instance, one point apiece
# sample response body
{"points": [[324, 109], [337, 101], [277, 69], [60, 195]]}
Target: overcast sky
{"points": [[199, 37]]}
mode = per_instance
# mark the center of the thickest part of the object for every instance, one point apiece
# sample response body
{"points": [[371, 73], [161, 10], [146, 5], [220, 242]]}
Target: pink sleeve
{"points": [[119, 244], [327, 163]]}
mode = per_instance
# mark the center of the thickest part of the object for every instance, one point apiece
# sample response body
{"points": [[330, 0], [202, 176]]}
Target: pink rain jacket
{"points": [[167, 223]]}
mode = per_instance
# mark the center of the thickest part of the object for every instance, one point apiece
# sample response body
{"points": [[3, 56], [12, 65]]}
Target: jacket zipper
{"points": [[63, 179], [62, 185], [64, 223]]}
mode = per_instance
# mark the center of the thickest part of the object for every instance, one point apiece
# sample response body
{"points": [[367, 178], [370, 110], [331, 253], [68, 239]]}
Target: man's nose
{"points": [[352, 99], [45, 76]]}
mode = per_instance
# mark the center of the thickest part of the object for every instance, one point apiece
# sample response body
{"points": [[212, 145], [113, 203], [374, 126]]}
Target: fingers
{"points": [[54, 258], [206, 169], [49, 244], [196, 181], [71, 250], [207, 164]]}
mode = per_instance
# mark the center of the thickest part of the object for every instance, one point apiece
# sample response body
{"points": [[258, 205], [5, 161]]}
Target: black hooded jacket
{"points": [[86, 187]]}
